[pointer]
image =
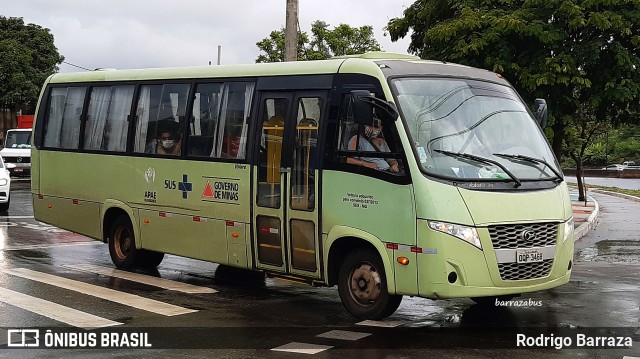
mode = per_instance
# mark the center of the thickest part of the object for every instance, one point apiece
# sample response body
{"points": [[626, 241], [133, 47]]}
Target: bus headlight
{"points": [[467, 234], [3, 181], [568, 229]]}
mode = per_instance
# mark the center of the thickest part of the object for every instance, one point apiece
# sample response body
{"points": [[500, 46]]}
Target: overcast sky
{"points": [[158, 33]]}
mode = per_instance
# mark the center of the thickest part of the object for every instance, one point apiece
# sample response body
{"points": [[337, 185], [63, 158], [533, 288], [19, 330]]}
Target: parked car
{"points": [[629, 163], [614, 167], [5, 186]]}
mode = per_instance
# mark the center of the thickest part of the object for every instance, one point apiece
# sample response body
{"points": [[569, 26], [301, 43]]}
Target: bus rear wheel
{"points": [[362, 286], [148, 259], [122, 243], [123, 251]]}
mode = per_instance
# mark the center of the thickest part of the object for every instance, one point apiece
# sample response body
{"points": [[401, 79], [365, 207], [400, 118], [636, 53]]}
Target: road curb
{"points": [[615, 194], [590, 223]]}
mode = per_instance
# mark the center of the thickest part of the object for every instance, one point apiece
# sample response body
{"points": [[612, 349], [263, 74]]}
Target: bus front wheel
{"points": [[362, 286], [122, 243]]}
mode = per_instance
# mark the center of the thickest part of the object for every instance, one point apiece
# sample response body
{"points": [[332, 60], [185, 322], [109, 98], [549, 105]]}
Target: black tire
{"points": [[148, 259], [4, 207], [122, 243], [491, 301], [362, 285]]}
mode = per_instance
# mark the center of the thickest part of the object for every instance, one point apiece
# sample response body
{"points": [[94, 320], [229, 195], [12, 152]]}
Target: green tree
{"points": [[323, 43], [584, 127], [27, 57], [574, 53]]}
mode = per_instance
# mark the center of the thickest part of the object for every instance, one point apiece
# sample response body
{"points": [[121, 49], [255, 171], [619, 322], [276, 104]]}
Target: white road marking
{"points": [[380, 323], [625, 357], [54, 311], [302, 348], [17, 217], [343, 335], [131, 300], [42, 246], [142, 278]]}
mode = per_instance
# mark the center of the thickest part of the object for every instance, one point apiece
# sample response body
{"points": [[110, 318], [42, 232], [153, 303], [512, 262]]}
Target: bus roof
{"points": [[390, 64]]}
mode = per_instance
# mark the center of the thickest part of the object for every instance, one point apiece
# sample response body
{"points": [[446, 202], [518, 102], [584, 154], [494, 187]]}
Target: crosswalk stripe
{"points": [[302, 348], [131, 300], [380, 323], [54, 311], [55, 245], [142, 278], [343, 335]]}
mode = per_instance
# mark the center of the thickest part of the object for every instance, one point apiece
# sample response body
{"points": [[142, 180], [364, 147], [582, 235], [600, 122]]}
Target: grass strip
{"points": [[632, 192]]}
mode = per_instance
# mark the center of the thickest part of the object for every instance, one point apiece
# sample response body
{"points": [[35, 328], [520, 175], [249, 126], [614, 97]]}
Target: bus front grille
{"points": [[521, 271], [511, 236], [12, 159]]}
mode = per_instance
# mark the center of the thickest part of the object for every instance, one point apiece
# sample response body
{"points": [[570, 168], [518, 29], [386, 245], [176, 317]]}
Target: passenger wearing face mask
{"points": [[167, 145], [370, 140]]}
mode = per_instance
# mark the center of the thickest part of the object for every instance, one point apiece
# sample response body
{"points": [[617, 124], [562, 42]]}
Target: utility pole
{"points": [[291, 32]]}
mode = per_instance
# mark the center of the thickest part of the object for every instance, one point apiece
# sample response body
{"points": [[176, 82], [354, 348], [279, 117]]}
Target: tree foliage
{"points": [[323, 43], [581, 55], [571, 52], [27, 57]]}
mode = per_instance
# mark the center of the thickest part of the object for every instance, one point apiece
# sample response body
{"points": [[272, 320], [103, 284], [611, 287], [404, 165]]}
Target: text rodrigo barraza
{"points": [[579, 341]]}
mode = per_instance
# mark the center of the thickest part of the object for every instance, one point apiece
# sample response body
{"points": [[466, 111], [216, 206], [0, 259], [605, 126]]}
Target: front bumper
{"points": [[479, 273], [20, 169]]}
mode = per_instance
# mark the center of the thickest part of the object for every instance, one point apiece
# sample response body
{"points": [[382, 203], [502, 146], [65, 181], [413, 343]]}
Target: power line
{"points": [[80, 67]]}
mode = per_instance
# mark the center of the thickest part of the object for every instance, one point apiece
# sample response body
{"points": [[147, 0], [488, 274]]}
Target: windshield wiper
{"points": [[482, 160], [531, 160]]}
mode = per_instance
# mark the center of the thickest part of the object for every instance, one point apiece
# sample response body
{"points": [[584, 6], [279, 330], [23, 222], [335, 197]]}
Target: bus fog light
{"points": [[467, 234], [452, 277], [568, 229]]}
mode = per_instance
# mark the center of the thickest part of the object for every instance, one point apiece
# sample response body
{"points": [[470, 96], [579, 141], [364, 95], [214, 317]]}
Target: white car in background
{"points": [[5, 186]]}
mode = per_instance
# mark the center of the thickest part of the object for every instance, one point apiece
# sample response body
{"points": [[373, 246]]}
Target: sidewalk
{"points": [[585, 215]]}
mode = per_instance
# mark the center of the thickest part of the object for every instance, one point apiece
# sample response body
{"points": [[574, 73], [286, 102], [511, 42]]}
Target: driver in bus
{"points": [[370, 139], [167, 145]]}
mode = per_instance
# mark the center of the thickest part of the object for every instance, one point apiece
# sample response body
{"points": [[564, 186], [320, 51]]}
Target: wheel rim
{"points": [[122, 242], [365, 284]]}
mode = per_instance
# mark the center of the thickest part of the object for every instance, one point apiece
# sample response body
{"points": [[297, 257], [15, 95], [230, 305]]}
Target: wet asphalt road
{"points": [[248, 316]]}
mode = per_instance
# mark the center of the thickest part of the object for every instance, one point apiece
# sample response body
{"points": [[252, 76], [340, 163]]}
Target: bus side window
{"points": [[374, 145], [63, 117], [160, 109], [218, 126]]}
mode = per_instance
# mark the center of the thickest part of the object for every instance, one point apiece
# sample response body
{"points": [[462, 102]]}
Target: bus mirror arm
{"points": [[363, 100]]}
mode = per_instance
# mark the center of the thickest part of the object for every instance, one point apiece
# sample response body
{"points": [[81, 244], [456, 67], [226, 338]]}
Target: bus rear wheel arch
{"points": [[362, 286], [122, 247]]}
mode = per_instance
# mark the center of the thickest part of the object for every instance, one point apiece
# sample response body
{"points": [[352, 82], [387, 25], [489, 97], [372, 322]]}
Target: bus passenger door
{"points": [[286, 211]]}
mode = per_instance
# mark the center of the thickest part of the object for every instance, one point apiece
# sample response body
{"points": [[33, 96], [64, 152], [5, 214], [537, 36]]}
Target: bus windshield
{"points": [[474, 130]]}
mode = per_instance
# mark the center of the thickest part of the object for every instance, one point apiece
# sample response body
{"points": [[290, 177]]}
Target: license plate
{"points": [[529, 255], [17, 169]]}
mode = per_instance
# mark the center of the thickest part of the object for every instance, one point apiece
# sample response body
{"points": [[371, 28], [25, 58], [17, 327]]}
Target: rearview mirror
{"points": [[362, 111], [364, 102], [541, 112]]}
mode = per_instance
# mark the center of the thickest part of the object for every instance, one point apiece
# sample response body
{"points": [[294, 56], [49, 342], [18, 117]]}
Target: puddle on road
{"points": [[616, 251]]}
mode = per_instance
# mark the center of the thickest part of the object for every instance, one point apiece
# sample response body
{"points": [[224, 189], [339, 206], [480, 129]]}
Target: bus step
{"points": [[293, 279]]}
